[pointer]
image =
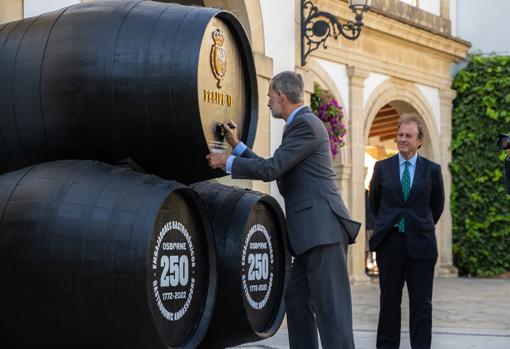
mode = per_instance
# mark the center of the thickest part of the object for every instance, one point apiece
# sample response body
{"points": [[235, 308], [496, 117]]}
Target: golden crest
{"points": [[218, 57]]}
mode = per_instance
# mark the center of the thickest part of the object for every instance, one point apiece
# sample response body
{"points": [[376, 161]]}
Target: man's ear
{"points": [[281, 97]]}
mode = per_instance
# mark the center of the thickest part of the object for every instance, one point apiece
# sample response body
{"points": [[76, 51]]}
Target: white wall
{"points": [[36, 7], [432, 96], [338, 73], [373, 81], [485, 24], [279, 34]]}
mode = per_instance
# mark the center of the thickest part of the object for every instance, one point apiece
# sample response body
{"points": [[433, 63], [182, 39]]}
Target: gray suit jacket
{"points": [[302, 167]]}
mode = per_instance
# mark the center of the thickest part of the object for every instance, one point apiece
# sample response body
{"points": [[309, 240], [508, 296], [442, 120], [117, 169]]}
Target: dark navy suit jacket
{"points": [[421, 210]]}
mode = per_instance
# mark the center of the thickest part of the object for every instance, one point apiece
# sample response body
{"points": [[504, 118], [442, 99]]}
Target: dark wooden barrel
{"points": [[94, 256], [253, 264], [124, 79]]}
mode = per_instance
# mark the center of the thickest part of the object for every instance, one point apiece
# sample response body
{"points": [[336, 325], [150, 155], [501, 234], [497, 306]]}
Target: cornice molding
{"points": [[376, 65], [388, 25]]}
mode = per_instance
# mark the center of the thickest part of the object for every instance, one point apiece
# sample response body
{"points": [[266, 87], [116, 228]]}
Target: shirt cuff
{"points": [[228, 167], [239, 149]]}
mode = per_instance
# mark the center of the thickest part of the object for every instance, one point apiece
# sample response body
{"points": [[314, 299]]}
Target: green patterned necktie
{"points": [[406, 187]]}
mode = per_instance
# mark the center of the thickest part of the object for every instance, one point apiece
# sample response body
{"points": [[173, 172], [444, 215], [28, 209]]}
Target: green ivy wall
{"points": [[480, 208]]}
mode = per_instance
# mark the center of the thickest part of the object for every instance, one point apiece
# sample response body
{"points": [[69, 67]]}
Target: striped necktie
{"points": [[406, 187]]}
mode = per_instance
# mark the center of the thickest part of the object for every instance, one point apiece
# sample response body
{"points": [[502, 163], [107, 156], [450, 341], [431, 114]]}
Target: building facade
{"points": [[401, 64]]}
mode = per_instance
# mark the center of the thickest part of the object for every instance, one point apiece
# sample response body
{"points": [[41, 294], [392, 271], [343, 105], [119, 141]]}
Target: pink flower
{"points": [[327, 108]]}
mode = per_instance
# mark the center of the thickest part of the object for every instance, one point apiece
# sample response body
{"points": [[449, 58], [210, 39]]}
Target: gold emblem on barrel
{"points": [[218, 57]]}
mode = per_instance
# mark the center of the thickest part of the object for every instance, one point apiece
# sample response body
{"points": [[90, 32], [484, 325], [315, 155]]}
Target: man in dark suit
{"points": [[318, 223], [407, 198]]}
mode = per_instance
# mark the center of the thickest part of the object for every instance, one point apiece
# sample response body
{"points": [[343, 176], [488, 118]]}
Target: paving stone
{"points": [[467, 314]]}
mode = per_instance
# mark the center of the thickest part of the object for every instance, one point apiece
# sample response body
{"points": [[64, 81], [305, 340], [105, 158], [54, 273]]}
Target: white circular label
{"points": [[173, 265], [257, 267]]}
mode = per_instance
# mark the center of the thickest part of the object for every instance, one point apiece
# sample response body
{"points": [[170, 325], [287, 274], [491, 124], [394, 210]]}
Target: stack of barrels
{"points": [[107, 111]]}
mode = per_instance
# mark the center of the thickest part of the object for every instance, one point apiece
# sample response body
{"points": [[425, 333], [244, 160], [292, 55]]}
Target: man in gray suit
{"points": [[319, 227]]}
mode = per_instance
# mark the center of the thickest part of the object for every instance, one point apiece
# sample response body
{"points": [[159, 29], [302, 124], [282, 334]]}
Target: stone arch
{"points": [[405, 98], [318, 74]]}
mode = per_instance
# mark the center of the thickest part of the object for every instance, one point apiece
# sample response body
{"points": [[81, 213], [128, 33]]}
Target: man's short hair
{"points": [[411, 118], [291, 85]]}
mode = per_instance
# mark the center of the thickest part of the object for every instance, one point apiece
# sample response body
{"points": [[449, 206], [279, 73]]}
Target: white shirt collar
{"points": [[412, 160], [293, 114]]}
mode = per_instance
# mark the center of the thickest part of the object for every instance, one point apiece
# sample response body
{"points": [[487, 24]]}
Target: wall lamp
{"points": [[317, 26]]}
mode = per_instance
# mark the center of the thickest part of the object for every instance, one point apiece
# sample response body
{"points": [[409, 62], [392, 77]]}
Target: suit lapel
{"points": [[418, 175], [395, 175]]}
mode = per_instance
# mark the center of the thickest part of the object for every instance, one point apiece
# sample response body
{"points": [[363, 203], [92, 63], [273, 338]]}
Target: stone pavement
{"points": [[467, 314]]}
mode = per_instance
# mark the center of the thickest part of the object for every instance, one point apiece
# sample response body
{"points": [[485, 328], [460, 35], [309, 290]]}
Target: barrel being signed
{"points": [[111, 80]]}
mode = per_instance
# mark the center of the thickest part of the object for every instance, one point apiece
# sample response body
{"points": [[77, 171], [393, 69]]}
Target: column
{"points": [[262, 145], [355, 135], [343, 173], [444, 231], [11, 10]]}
